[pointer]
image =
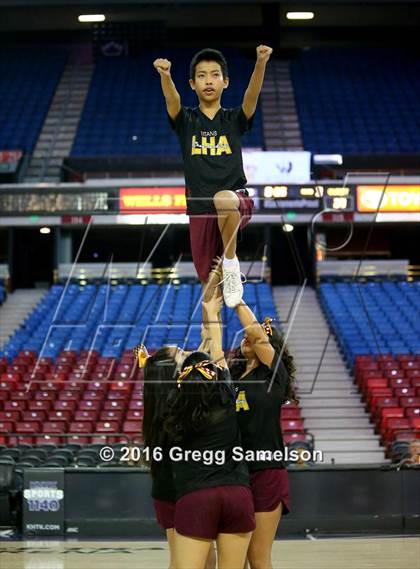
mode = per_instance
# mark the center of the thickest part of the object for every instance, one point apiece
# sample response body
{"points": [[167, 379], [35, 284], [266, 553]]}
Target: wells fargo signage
{"points": [[153, 200]]}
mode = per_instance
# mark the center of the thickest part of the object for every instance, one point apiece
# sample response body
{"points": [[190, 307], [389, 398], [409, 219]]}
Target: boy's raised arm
{"points": [[249, 103], [172, 97]]}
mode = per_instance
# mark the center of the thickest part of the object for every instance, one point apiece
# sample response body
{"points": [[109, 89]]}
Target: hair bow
{"points": [[267, 326], [141, 354], [202, 367]]}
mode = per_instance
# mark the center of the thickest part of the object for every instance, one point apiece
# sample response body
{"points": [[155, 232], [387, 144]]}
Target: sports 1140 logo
{"points": [[43, 496]]}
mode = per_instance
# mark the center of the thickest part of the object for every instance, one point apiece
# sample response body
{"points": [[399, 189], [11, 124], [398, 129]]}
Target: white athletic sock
{"points": [[228, 263]]}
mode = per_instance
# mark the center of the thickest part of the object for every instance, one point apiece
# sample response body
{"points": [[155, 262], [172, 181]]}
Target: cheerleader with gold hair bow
{"points": [[213, 497]]}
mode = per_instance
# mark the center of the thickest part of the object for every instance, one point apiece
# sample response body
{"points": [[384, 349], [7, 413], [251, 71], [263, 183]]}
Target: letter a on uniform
{"points": [[241, 402]]}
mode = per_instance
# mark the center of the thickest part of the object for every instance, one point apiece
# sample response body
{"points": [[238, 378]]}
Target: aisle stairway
{"points": [[60, 126], [331, 406], [280, 119], [17, 307]]}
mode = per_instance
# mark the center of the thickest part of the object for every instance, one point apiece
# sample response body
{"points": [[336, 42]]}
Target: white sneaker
{"points": [[232, 285]]}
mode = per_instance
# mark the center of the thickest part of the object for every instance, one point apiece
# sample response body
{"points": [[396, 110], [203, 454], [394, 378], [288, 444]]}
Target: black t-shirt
{"points": [[211, 150], [220, 433], [163, 487], [258, 411]]}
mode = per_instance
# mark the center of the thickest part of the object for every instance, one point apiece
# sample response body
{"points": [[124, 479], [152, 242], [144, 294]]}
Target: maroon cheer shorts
{"points": [[269, 488], [165, 513], [206, 241], [208, 512]]}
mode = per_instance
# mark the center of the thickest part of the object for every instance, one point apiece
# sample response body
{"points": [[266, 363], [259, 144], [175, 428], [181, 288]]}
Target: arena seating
{"points": [[391, 389], [112, 319], [358, 101], [68, 376], [377, 326], [125, 114], [28, 79], [373, 317]]}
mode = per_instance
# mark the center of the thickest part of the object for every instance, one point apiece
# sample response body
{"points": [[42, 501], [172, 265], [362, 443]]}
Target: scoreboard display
{"points": [[307, 198]]}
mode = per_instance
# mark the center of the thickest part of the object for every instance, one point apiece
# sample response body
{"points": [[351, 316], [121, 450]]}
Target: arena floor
{"points": [[339, 553]]}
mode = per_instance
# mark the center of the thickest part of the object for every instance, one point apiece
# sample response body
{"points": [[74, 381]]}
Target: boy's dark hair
{"points": [[209, 54]]}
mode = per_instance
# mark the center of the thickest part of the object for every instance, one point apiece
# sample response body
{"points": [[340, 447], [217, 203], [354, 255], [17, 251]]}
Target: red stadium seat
{"points": [[28, 427], [404, 392], [405, 436], [97, 385], [54, 427], [412, 412], [80, 439], [394, 425], [389, 365], [67, 395], [34, 416], [75, 385], [13, 416], [89, 405], [59, 415], [376, 394], [384, 358], [115, 405], [109, 415], [64, 405], [85, 427], [4, 395], [134, 415], [382, 403], [292, 425], [399, 382], [135, 405], [117, 395], [410, 401], [137, 395], [121, 386], [411, 365], [107, 426], [52, 385], [415, 381], [15, 405], [42, 439], [375, 383], [133, 427], [7, 426], [102, 375], [290, 413], [20, 395], [86, 415], [90, 395], [415, 423], [11, 376], [45, 395], [39, 405], [294, 437], [387, 415]]}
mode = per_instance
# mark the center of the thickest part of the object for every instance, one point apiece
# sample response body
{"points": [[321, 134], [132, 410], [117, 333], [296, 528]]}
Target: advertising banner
{"points": [[403, 198], [275, 167], [153, 200], [43, 502]]}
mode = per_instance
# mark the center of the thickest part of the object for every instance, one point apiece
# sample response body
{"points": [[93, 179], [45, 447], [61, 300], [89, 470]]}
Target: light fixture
{"points": [[45, 230], [328, 159], [287, 227], [300, 15], [88, 18]]}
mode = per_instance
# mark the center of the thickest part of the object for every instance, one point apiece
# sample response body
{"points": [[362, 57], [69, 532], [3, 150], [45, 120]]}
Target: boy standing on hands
{"points": [[210, 137]]}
